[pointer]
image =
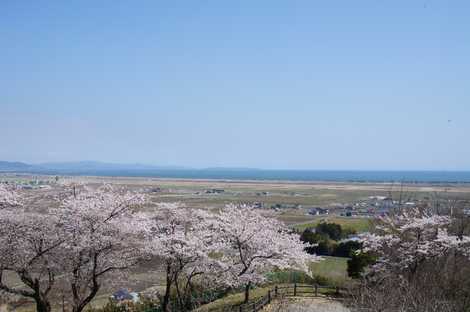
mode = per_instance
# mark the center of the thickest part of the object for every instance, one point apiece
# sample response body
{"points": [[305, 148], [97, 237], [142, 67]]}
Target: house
{"points": [[262, 193], [215, 191], [123, 295], [315, 211], [387, 203], [24, 187], [377, 198]]}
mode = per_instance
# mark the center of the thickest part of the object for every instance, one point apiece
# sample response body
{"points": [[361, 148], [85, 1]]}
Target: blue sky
{"points": [[268, 84]]}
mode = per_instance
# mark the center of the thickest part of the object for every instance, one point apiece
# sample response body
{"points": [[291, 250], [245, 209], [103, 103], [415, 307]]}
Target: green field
{"points": [[359, 225], [334, 269], [331, 271]]}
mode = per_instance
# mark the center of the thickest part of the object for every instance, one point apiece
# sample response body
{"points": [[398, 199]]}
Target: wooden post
{"points": [[269, 296], [295, 289], [240, 308], [254, 306], [275, 291], [316, 290]]}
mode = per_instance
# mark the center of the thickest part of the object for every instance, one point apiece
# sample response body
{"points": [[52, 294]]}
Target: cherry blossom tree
{"points": [[251, 245], [27, 240], [182, 239], [100, 238], [8, 196], [422, 264], [91, 234], [405, 241]]}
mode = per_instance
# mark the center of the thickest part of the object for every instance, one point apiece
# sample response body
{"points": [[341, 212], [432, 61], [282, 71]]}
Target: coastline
{"points": [[452, 187], [437, 178]]}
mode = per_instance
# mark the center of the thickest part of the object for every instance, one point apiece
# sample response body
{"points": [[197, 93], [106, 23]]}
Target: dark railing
{"points": [[277, 292]]}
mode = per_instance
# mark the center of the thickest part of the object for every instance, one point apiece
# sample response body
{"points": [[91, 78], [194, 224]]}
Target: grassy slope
{"points": [[332, 268], [237, 298], [234, 299]]}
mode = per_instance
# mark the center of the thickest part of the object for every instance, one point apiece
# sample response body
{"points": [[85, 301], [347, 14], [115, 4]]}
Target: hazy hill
{"points": [[95, 165], [76, 167], [14, 166]]}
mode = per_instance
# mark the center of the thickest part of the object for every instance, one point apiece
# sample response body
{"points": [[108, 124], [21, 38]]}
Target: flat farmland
{"points": [[284, 200]]}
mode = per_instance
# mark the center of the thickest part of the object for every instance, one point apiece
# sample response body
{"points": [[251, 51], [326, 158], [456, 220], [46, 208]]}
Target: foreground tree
{"points": [[182, 239], [91, 234], [251, 245], [421, 265], [27, 242], [99, 238], [408, 240]]}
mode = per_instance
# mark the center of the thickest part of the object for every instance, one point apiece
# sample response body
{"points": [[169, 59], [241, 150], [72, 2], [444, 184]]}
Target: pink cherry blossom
{"points": [[8, 196]]}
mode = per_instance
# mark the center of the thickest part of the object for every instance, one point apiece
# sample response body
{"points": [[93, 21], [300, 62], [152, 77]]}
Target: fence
{"points": [[294, 290], [277, 292]]}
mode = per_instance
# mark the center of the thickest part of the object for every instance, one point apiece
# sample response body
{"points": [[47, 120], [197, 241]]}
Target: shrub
{"points": [[332, 230], [358, 262], [346, 249]]}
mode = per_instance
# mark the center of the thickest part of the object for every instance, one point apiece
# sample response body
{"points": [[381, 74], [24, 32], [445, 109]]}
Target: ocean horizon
{"points": [[275, 175]]}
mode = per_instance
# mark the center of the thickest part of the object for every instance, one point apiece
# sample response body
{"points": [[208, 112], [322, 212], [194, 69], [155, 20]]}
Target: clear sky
{"points": [[268, 84]]}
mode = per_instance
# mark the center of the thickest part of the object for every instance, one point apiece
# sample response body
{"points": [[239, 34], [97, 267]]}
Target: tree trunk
{"points": [[180, 296], [247, 292], [166, 296], [42, 305], [79, 302], [80, 305]]}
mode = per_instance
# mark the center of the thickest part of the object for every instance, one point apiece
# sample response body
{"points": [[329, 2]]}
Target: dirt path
{"points": [[306, 305]]}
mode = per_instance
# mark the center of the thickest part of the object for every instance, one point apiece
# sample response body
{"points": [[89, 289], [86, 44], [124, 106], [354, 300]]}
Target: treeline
{"points": [[330, 239]]}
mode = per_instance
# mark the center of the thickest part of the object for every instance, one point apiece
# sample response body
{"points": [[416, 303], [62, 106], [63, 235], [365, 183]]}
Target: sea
{"points": [[280, 175]]}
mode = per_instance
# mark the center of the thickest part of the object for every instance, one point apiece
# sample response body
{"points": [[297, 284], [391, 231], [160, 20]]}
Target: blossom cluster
{"points": [[8, 196], [406, 240]]}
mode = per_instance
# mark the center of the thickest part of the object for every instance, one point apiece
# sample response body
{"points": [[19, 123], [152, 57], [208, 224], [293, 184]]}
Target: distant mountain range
{"points": [[79, 166], [87, 166]]}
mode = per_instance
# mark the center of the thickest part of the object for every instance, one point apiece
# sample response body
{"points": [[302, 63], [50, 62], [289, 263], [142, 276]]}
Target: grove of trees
{"points": [[329, 239], [88, 235]]}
